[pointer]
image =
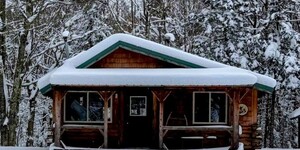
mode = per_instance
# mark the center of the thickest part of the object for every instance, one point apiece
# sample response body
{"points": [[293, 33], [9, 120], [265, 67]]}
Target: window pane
{"points": [[218, 107], [96, 106], [201, 107], [138, 106], [76, 107]]}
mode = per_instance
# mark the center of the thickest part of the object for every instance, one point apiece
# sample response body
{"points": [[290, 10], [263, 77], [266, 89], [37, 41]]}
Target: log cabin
{"points": [[128, 92]]}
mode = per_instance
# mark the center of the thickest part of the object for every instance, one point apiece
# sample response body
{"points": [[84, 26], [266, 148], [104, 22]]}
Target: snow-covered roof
{"points": [[198, 71], [295, 114], [150, 77]]}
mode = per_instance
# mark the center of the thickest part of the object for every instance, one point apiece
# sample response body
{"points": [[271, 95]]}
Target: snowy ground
{"points": [[24, 148], [42, 148], [241, 147], [276, 148]]}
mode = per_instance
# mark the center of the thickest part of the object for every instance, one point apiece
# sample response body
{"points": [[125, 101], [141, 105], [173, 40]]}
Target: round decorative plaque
{"points": [[243, 109]]}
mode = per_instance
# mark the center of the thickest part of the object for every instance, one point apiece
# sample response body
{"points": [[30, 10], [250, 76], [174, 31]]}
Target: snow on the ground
{"points": [[23, 148], [276, 148]]}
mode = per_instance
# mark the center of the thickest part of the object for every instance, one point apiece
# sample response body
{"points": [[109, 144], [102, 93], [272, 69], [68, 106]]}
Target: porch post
{"points": [[235, 119], [121, 116], [161, 121], [105, 122], [161, 97], [155, 119], [105, 95], [57, 116]]}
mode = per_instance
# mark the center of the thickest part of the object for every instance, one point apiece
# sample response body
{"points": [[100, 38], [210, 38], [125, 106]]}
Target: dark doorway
{"points": [[138, 114]]}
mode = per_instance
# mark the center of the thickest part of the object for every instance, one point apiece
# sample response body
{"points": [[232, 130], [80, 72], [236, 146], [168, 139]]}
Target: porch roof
{"points": [[228, 76], [214, 70]]}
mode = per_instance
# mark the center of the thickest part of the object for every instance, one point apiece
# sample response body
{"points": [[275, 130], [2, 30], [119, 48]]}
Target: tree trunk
{"points": [[267, 129], [17, 85], [3, 133], [272, 119], [16, 94], [132, 16], [32, 101], [3, 111], [147, 21], [32, 105]]}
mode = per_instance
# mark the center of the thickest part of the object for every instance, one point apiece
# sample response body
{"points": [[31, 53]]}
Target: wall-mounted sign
{"points": [[243, 109]]}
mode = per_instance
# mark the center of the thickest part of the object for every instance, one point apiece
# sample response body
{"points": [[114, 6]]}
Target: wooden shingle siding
{"points": [[250, 134], [122, 58], [250, 118]]}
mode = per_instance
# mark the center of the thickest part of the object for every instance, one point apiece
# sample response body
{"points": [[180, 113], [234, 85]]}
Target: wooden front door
{"points": [[138, 119]]}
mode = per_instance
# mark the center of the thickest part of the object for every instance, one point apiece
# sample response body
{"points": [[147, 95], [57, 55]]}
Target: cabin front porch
{"points": [[169, 117]]}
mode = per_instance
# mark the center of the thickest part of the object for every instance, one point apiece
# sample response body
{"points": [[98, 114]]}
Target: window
{"points": [[209, 108], [85, 107], [138, 106]]}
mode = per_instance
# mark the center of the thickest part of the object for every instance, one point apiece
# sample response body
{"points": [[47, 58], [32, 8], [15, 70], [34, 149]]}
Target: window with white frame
{"points": [[85, 107], [210, 107], [138, 106]]}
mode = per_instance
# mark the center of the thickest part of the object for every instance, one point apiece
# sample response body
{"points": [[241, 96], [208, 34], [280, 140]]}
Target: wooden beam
{"points": [[161, 96], [58, 97], [77, 126], [154, 120], [197, 128], [105, 122], [245, 93], [200, 128], [121, 116], [235, 119], [106, 95], [254, 106], [161, 120]]}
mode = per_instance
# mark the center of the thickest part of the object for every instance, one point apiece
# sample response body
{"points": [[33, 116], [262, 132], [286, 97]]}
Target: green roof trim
{"points": [[140, 50], [99, 55], [262, 87], [46, 89], [258, 86], [157, 55]]}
